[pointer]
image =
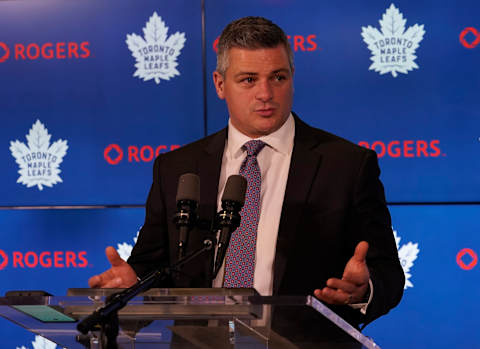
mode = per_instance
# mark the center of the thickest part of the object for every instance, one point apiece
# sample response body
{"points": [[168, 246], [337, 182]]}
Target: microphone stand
{"points": [[107, 316], [226, 221]]}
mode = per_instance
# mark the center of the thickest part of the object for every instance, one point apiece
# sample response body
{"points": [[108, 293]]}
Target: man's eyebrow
{"points": [[246, 73], [281, 70]]}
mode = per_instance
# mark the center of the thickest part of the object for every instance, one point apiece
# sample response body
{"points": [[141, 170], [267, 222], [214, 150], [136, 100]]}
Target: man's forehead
{"points": [[259, 59]]}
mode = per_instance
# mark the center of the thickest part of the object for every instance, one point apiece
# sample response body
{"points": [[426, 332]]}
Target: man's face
{"points": [[258, 89]]}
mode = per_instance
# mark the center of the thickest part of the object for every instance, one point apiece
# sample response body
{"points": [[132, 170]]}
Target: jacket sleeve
{"points": [[151, 250], [374, 225]]}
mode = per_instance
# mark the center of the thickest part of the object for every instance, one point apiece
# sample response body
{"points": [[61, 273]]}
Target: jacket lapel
{"points": [[209, 168], [303, 168], [209, 165]]}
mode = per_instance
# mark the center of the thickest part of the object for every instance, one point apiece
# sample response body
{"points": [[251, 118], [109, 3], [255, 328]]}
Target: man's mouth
{"points": [[265, 111]]}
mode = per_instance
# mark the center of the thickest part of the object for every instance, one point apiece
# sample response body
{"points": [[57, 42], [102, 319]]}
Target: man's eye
{"points": [[248, 80], [279, 77]]}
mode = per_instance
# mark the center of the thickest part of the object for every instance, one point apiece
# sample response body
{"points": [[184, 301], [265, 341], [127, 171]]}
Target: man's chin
{"points": [[261, 127], [270, 125], [265, 131]]}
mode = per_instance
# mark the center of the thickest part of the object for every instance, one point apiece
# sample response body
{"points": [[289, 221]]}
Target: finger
{"points": [[361, 251], [336, 296], [332, 296], [114, 283], [345, 286], [113, 257], [101, 279], [94, 281]]}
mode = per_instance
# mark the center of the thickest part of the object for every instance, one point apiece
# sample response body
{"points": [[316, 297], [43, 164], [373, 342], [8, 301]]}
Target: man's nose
{"points": [[264, 91]]}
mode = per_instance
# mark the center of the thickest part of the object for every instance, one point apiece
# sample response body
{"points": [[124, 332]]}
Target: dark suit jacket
{"points": [[333, 200]]}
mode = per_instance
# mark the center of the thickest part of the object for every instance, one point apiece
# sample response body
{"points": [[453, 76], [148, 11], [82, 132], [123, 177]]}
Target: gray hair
{"points": [[250, 33]]}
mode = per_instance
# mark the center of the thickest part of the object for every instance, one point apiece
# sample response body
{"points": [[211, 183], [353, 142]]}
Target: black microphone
{"points": [[188, 196], [228, 219]]}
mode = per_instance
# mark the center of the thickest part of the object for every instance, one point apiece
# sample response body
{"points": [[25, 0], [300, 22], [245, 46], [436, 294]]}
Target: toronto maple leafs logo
{"points": [[39, 161], [125, 249], [407, 254], [41, 343], [156, 54], [394, 47]]}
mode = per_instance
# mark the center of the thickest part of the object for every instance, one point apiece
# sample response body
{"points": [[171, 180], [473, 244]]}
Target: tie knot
{"points": [[253, 147]]}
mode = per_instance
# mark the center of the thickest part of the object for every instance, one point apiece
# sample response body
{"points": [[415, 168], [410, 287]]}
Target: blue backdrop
{"points": [[92, 91], [114, 123]]}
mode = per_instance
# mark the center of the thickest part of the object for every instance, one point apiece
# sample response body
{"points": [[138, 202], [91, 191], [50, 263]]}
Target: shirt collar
{"points": [[281, 140]]}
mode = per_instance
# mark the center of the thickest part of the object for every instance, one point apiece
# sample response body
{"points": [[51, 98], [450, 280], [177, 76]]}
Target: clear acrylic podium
{"points": [[171, 318]]}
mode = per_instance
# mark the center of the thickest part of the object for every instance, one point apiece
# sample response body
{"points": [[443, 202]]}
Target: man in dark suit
{"points": [[325, 227]]}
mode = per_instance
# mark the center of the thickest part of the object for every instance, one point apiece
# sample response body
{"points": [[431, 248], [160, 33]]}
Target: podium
{"points": [[176, 318]]}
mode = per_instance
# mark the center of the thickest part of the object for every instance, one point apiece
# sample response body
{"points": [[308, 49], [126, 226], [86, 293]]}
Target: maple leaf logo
{"points": [[125, 249], [39, 161], [41, 343], [407, 254], [156, 54], [394, 47]]}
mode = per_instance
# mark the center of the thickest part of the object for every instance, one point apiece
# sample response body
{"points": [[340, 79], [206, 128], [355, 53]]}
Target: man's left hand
{"points": [[353, 286]]}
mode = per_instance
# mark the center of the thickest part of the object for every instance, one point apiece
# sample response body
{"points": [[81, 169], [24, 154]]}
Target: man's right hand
{"points": [[120, 275]]}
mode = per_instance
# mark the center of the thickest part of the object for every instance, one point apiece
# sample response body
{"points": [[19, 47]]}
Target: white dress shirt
{"points": [[274, 162]]}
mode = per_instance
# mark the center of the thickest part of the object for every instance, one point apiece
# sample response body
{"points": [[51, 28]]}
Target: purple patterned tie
{"points": [[240, 260]]}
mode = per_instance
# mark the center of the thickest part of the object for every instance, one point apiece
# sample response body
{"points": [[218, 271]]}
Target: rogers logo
{"points": [[48, 50], [467, 259], [6, 54], [467, 34], [45, 259], [405, 149], [298, 43], [4, 257], [114, 154]]}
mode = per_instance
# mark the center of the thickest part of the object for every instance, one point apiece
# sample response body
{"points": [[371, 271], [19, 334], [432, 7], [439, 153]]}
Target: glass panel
{"points": [[192, 317]]}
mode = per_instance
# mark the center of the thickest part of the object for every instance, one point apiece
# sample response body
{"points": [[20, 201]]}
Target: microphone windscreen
{"points": [[235, 189], [188, 187]]}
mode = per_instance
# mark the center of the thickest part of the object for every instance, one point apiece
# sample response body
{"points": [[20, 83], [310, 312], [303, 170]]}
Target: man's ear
{"points": [[293, 85], [219, 82]]}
